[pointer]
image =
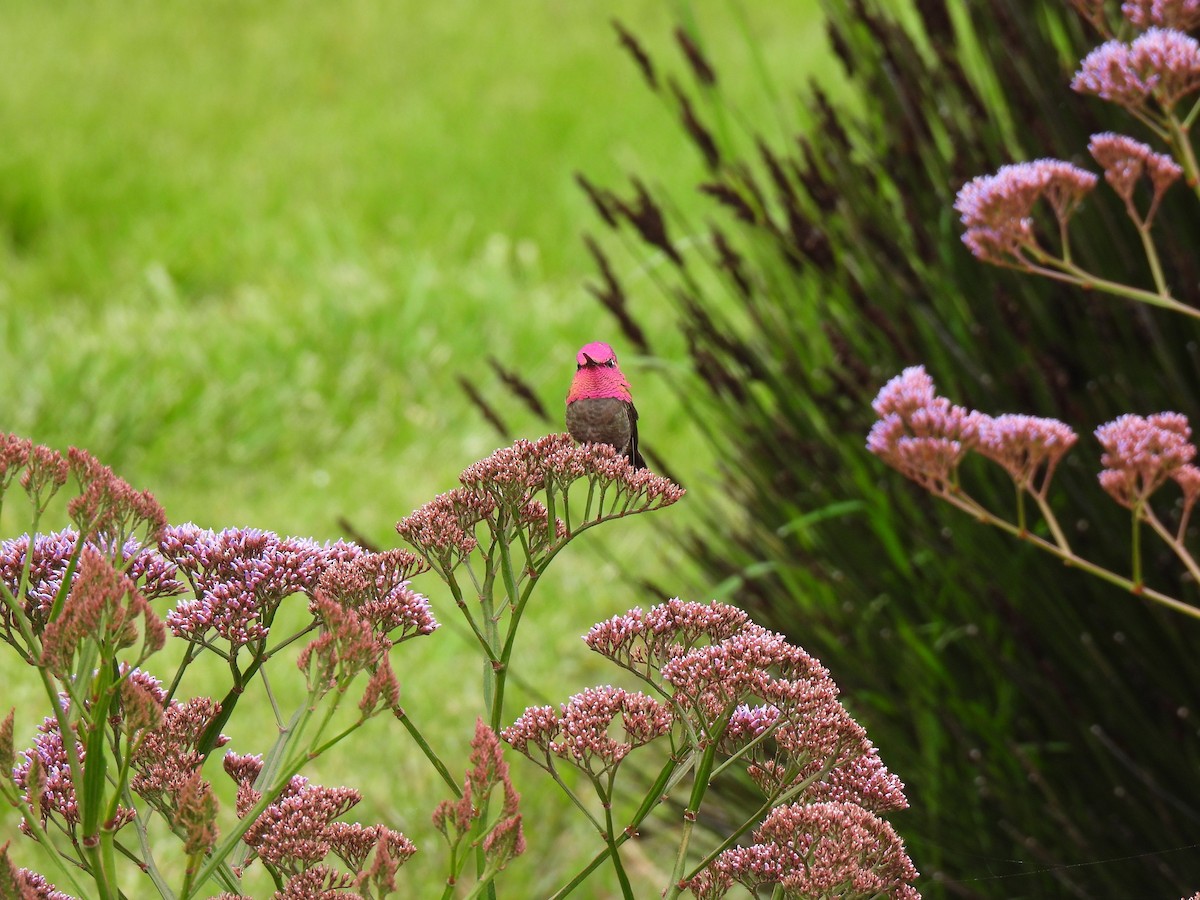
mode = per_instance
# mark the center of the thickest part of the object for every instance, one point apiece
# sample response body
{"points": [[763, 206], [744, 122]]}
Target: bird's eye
{"points": [[612, 363]]}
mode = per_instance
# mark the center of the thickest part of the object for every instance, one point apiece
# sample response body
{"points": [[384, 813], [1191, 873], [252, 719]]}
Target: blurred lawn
{"points": [[245, 248]]}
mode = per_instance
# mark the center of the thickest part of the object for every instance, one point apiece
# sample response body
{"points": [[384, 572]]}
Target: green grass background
{"points": [[246, 248]]}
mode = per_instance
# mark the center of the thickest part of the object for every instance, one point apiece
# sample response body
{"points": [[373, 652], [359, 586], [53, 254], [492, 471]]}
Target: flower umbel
{"points": [[1160, 67], [582, 732], [997, 210], [920, 434], [819, 850], [1141, 454], [1181, 15], [1125, 161], [239, 576], [469, 819]]}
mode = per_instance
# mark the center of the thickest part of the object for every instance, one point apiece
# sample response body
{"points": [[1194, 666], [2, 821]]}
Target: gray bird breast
{"points": [[603, 420]]}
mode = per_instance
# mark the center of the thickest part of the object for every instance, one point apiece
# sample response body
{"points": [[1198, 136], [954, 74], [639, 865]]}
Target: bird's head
{"points": [[596, 355]]}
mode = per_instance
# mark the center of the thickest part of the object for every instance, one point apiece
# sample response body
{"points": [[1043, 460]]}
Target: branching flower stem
{"points": [[969, 505]]}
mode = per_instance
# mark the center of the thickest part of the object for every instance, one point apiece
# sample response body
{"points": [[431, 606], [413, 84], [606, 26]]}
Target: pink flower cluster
{"points": [[346, 646], [109, 507], [1142, 454], [377, 587], [1182, 15], [44, 778], [298, 830], [25, 884], [1125, 161], [816, 850], [925, 437], [643, 641], [581, 731], [164, 757], [169, 754], [1160, 65], [504, 838], [501, 492], [922, 435], [762, 701], [49, 558], [365, 607], [1025, 445], [239, 576], [103, 607], [443, 530], [997, 210]]}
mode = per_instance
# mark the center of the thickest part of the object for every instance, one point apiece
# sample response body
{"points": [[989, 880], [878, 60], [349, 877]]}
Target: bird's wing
{"points": [[635, 456]]}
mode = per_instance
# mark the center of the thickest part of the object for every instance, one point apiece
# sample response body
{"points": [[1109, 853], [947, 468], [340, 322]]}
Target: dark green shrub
{"points": [[1044, 722]]}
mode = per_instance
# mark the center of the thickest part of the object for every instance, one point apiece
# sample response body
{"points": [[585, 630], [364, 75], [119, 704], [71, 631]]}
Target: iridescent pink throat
{"points": [[596, 382]]}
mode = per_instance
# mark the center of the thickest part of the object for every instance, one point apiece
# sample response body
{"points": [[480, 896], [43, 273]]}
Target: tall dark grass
{"points": [[1046, 724]]}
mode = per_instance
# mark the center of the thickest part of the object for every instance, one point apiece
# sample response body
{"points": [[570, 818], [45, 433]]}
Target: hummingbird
{"points": [[599, 406]]}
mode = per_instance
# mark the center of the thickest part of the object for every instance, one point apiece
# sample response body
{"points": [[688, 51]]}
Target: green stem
{"points": [[654, 796], [460, 601], [1136, 543], [1175, 544], [614, 853], [571, 795], [430, 755], [516, 600], [1182, 145], [699, 787], [1160, 282], [1051, 520], [1061, 270], [970, 506]]}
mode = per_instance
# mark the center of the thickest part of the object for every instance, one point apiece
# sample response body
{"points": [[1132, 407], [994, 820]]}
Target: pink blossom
{"points": [[443, 530], [1125, 161], [580, 733], [354, 843], [920, 434], [1140, 454], [823, 849], [239, 577], [49, 558], [103, 605], [45, 472], [321, 882], [44, 777], [643, 641], [196, 814], [997, 209], [1161, 64], [1026, 445], [712, 681], [1182, 15], [14, 455], [108, 506], [294, 830], [1188, 479], [34, 886], [347, 645], [170, 753], [377, 587], [504, 839]]}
